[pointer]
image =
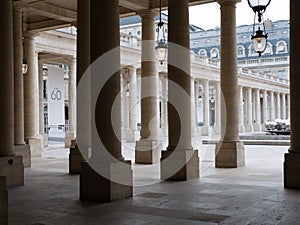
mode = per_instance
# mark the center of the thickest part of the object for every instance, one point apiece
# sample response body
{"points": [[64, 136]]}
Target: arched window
{"points": [[203, 53], [240, 51], [269, 49], [214, 53], [252, 53], [281, 47]]}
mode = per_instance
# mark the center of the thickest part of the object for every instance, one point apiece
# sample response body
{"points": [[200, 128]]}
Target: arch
{"points": [[214, 53], [241, 51], [202, 52], [281, 47], [269, 49]]}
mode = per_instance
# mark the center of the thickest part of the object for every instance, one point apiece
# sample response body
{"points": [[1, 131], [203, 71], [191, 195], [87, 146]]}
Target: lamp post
{"points": [[24, 67], [259, 37], [162, 47]]}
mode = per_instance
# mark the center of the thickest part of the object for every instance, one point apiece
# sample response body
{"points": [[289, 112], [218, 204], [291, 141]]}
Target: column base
{"points": [[3, 202], [257, 127], [24, 151], [131, 136], [217, 130], [45, 139], [291, 171], [75, 159], [35, 145], [12, 168], [94, 187], [230, 154], [68, 139], [206, 131], [249, 128], [179, 165], [147, 152], [241, 129]]}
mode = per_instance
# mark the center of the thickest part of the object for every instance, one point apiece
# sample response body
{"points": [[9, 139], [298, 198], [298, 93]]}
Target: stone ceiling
{"points": [[41, 15]]}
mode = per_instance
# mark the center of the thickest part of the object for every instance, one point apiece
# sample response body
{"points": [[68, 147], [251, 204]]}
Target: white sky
{"points": [[207, 16]]}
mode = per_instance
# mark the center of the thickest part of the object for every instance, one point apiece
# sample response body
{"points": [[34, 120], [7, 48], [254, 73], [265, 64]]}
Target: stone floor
{"points": [[248, 195]]}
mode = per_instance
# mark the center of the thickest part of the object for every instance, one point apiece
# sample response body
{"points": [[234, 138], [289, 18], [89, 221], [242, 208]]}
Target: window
{"points": [[268, 50], [252, 53], [281, 47], [241, 51], [203, 53], [282, 73], [138, 33], [214, 53]]}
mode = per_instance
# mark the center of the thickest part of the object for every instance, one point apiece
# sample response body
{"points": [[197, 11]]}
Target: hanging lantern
{"points": [[24, 67], [259, 41], [162, 46]]}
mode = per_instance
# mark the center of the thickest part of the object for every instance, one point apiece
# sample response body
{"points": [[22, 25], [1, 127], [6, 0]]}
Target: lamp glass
{"points": [[255, 3], [161, 51], [259, 41], [24, 67], [200, 98]]}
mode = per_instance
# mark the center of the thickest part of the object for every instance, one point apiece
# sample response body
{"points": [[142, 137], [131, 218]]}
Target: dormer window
{"points": [[214, 53]]}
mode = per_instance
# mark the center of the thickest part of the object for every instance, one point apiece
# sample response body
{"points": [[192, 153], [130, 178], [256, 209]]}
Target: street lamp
{"points": [[127, 90], [259, 37], [259, 7], [199, 98], [24, 67], [161, 47]]}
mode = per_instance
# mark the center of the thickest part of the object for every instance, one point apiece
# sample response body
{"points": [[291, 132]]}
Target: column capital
{"points": [[17, 9], [31, 34], [147, 14], [228, 2]]}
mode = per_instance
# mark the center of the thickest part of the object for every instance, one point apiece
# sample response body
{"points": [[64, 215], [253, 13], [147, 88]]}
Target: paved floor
{"points": [[248, 195]]}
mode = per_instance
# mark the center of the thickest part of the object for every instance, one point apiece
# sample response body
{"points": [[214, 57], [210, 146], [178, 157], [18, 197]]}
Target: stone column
{"points": [[230, 151], [11, 166], [288, 105], [283, 107], [241, 118], [133, 101], [194, 109], [18, 78], [292, 159], [217, 127], [257, 125], [278, 106], [125, 103], [164, 101], [272, 106], [249, 125], [79, 149], [106, 176], [30, 93], [180, 161], [265, 106], [42, 134], [3, 202], [20, 147], [147, 150], [71, 134], [205, 131]]}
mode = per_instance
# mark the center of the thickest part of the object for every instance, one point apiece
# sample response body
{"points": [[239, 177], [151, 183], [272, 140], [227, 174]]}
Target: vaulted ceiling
{"points": [[40, 15]]}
